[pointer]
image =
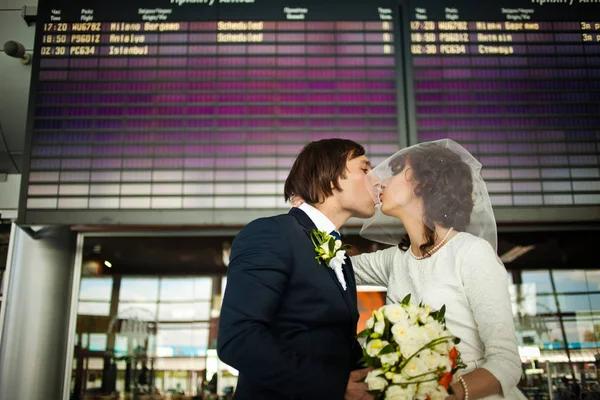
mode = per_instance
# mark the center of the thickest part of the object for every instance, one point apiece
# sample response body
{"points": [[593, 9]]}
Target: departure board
{"points": [[518, 83], [192, 111]]}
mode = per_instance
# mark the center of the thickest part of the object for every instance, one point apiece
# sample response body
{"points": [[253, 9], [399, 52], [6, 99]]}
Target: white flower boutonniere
{"points": [[331, 252], [327, 247]]}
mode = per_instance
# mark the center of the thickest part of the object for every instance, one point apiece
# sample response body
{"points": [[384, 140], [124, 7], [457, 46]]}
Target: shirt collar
{"points": [[318, 218]]}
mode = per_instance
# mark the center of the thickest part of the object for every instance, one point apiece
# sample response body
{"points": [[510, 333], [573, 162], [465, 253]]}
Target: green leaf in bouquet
{"points": [[369, 361], [387, 331], [390, 348], [406, 300], [443, 312], [364, 333], [373, 362]]}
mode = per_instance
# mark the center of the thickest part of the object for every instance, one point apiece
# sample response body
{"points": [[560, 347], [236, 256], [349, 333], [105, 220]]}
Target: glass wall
{"points": [[557, 316], [143, 337], [147, 327]]}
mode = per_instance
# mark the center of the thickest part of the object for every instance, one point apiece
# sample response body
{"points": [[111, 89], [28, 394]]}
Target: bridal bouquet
{"points": [[411, 351]]}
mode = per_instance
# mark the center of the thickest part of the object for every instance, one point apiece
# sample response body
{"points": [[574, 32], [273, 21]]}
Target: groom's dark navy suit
{"points": [[286, 323]]}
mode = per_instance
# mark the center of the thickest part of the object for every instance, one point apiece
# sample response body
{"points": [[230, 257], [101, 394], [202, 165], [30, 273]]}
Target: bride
{"points": [[448, 257]]}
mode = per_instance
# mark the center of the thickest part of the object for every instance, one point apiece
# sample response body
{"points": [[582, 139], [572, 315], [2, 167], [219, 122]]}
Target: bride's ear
{"points": [[296, 201]]}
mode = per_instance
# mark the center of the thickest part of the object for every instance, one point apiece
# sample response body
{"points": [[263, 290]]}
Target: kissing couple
{"points": [[288, 320]]}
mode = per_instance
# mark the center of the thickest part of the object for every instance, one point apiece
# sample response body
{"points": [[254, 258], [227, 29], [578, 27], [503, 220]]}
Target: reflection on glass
{"points": [[203, 288], [137, 310], [526, 300], [172, 289], [595, 301], [176, 312], [593, 282], [574, 302], [158, 332], [93, 308], [570, 281], [97, 341], [182, 340], [539, 279], [95, 289], [139, 289]]}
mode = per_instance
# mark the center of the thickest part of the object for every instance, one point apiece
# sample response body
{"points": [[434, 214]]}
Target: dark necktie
{"points": [[335, 235]]}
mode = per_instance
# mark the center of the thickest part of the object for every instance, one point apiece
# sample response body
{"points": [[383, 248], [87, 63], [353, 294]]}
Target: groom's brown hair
{"points": [[320, 165]]}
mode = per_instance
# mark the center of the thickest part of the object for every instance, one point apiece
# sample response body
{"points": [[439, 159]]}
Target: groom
{"points": [[288, 323]]}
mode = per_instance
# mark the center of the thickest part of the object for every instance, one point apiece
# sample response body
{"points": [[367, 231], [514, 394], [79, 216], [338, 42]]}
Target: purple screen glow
{"points": [[524, 98], [200, 116]]}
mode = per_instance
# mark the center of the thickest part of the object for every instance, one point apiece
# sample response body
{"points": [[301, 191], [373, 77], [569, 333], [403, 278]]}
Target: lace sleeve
{"points": [[374, 268], [486, 286]]}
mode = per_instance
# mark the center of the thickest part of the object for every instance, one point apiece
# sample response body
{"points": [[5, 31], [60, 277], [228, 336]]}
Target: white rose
{"points": [[431, 359], [426, 388], [370, 323], [401, 332], [413, 312], [439, 393], [398, 378], [447, 345], [374, 381], [445, 363], [433, 329], [408, 348], [337, 245], [424, 314], [414, 367], [396, 392], [377, 383], [395, 313], [419, 335], [379, 314], [374, 347], [379, 327], [389, 359]]}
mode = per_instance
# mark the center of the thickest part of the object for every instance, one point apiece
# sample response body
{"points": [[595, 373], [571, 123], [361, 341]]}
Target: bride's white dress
{"points": [[467, 276]]}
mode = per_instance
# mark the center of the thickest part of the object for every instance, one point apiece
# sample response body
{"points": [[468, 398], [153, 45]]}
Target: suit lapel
{"points": [[308, 227]]}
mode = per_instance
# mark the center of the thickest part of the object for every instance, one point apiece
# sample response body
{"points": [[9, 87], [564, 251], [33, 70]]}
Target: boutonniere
{"points": [[328, 248]]}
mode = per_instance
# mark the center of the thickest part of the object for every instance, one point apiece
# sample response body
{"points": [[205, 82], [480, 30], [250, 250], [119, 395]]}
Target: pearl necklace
{"points": [[435, 248]]}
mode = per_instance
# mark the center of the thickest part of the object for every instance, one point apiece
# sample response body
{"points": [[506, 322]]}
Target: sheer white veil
{"points": [[448, 172]]}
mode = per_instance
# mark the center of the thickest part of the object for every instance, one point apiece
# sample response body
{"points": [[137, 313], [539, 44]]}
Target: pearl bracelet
{"points": [[464, 385]]}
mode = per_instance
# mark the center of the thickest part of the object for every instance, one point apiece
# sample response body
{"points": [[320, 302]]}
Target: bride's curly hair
{"points": [[445, 183]]}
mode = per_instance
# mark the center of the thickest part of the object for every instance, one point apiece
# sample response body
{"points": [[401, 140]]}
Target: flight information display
{"points": [[180, 111], [518, 83], [192, 111]]}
